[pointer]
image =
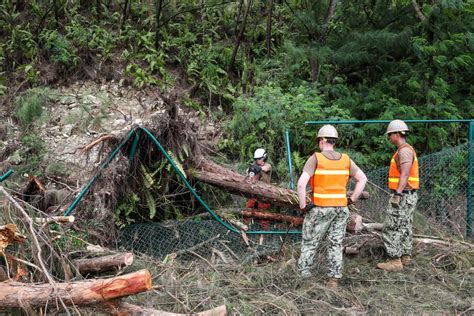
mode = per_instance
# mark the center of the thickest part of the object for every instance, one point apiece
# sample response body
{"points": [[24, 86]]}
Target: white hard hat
{"points": [[328, 131], [260, 153], [397, 126]]}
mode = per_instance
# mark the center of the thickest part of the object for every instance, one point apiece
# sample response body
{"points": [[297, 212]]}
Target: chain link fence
{"points": [[441, 211]]}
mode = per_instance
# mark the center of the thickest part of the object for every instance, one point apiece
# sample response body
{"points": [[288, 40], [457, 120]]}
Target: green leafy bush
{"points": [[58, 48]]}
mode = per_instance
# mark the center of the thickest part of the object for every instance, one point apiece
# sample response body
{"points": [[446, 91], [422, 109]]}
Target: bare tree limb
{"points": [[36, 242], [418, 11], [269, 28], [239, 37]]}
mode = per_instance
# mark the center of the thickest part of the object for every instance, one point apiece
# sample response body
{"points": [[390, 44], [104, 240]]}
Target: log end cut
{"points": [[121, 286], [128, 259]]}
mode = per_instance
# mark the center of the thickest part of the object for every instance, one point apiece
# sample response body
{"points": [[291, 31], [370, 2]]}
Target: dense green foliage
{"points": [[365, 59]]}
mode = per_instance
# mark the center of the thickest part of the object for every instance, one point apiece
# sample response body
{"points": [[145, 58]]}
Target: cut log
{"points": [[104, 263], [351, 250], [55, 219], [293, 220], [238, 224], [15, 294], [233, 182], [130, 309], [372, 226], [353, 226], [355, 223]]}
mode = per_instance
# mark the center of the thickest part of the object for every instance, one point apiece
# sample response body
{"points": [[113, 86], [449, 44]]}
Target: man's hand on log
{"points": [[307, 208]]}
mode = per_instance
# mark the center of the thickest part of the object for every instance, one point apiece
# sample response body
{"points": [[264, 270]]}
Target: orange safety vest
{"points": [[394, 173], [328, 184]]}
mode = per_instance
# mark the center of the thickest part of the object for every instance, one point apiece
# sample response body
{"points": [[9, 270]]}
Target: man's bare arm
{"points": [[360, 179], [302, 182]]}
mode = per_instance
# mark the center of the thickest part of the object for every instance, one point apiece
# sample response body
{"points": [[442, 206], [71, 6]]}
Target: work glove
{"points": [[395, 200], [307, 208], [254, 170], [351, 206]]}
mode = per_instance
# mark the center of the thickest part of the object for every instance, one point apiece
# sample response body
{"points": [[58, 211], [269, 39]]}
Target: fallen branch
{"points": [[104, 263], [10, 257], [450, 241], [130, 309], [439, 242], [238, 224], [15, 294], [99, 140], [55, 219], [27, 218]]}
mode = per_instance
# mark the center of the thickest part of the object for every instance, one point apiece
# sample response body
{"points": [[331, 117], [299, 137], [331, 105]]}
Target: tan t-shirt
{"points": [[312, 162], [405, 155]]}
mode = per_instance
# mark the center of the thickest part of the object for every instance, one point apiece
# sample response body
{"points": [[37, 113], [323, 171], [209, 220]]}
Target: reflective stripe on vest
{"points": [[394, 173], [329, 181]]}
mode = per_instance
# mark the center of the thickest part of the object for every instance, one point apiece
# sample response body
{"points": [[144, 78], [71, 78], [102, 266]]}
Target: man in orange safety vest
{"points": [[403, 181], [326, 217]]}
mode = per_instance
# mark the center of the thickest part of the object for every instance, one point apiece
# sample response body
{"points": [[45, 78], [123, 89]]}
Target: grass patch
{"points": [[276, 288]]}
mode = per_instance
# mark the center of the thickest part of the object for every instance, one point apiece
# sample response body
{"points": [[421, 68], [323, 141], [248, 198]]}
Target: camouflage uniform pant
{"points": [[320, 222], [397, 233]]}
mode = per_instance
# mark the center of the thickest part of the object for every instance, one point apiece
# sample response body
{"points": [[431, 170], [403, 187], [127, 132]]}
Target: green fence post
{"points": [[469, 182], [6, 175]]}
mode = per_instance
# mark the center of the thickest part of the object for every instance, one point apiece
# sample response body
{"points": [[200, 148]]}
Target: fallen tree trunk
{"points": [[104, 263], [233, 182], [130, 309], [240, 185], [16, 294]]}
